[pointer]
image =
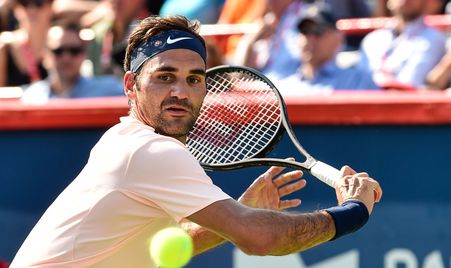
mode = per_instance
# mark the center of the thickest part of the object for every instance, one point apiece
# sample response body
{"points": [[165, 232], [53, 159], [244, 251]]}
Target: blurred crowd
{"points": [[76, 48]]}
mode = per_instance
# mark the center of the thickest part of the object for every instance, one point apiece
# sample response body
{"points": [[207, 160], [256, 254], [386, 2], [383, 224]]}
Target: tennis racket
{"points": [[241, 120]]}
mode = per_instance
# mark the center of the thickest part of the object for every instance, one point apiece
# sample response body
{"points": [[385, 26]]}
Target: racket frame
{"points": [[260, 159]]}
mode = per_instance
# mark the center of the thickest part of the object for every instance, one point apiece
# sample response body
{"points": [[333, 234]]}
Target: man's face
{"points": [[169, 92], [318, 43], [409, 9], [66, 54]]}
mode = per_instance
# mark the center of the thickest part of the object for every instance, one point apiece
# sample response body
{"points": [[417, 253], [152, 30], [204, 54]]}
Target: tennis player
{"points": [[141, 178]]}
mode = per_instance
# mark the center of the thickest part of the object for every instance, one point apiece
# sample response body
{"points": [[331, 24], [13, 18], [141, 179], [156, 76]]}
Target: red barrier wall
{"points": [[340, 108]]}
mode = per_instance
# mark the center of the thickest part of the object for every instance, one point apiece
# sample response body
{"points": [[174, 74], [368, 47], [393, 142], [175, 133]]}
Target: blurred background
{"points": [[366, 84]]}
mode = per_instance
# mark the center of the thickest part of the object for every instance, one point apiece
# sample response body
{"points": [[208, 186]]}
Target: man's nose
{"points": [[180, 90]]}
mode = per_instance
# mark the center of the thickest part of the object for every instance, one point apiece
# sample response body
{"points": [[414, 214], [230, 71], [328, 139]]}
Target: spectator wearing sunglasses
{"points": [[319, 71], [21, 49], [63, 59]]}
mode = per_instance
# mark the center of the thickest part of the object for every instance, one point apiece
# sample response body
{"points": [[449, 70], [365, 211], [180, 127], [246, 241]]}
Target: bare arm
{"points": [[265, 192], [438, 77], [268, 232], [245, 53], [265, 232], [203, 239]]}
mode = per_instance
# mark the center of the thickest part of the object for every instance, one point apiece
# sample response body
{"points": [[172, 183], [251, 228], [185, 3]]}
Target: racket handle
{"points": [[325, 173]]}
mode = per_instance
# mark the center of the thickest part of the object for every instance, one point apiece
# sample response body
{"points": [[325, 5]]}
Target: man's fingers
{"points": [[259, 182], [353, 182], [373, 185], [377, 190], [347, 170], [291, 188], [289, 203], [274, 170], [287, 178]]}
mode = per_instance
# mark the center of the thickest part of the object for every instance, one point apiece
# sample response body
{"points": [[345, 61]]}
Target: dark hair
{"points": [[38, 3], [153, 25]]}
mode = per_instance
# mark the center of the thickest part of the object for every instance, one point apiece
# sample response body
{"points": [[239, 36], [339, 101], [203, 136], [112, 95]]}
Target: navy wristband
{"points": [[349, 217]]}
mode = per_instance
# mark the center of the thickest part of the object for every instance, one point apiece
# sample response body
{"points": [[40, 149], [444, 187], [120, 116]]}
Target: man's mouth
{"points": [[177, 110]]}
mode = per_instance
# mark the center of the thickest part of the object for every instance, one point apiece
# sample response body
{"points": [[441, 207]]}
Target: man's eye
{"points": [[194, 80], [165, 77]]}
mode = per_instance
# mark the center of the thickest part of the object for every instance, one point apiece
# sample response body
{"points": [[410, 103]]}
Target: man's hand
{"points": [[267, 190], [359, 186]]}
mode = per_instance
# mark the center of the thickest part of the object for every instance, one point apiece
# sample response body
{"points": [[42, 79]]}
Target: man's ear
{"points": [[129, 84]]}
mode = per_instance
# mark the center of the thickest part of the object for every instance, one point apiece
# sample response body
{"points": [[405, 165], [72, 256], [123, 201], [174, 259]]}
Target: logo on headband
{"points": [[157, 44], [172, 41]]}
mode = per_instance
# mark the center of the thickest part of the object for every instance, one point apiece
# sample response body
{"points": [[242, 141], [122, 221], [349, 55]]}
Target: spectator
{"points": [[401, 56], [319, 43], [433, 7], [274, 49], [63, 58], [21, 49], [346, 9], [111, 21]]}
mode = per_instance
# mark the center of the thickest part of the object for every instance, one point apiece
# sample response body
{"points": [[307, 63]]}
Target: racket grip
{"points": [[325, 173]]}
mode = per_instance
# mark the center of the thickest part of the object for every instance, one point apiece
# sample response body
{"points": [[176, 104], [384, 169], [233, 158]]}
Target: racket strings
{"points": [[240, 116], [242, 146], [215, 131], [234, 152]]}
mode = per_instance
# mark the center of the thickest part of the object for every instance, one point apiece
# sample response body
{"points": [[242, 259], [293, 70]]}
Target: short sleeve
{"points": [[166, 173]]}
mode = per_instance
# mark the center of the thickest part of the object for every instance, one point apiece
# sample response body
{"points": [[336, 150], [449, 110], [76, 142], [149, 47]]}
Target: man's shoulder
{"points": [[433, 35], [128, 126], [139, 140], [140, 133]]}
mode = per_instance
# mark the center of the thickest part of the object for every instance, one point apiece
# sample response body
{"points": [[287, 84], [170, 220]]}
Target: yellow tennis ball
{"points": [[171, 247]]}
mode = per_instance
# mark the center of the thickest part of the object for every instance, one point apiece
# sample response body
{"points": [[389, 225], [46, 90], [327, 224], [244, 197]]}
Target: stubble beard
{"points": [[176, 127]]}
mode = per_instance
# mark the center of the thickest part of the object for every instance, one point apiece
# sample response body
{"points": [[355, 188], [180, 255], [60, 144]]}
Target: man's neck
{"points": [[138, 116]]}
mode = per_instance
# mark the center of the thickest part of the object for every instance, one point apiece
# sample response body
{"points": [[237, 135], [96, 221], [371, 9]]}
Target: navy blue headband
{"points": [[163, 41]]}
